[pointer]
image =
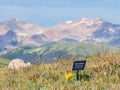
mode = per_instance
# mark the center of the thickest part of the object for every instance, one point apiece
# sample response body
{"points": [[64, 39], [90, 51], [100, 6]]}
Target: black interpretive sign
{"points": [[79, 65]]}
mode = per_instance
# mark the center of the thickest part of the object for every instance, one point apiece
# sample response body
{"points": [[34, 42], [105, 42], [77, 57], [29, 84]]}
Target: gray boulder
{"points": [[16, 64]]}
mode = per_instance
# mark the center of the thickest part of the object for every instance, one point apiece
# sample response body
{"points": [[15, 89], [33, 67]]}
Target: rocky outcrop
{"points": [[16, 64]]}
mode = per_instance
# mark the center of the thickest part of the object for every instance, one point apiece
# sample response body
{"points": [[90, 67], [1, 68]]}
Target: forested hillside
{"points": [[58, 51]]}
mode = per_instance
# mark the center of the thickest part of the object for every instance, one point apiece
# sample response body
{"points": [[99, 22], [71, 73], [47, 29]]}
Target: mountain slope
{"points": [[77, 29], [20, 30], [87, 30], [57, 51], [4, 62]]}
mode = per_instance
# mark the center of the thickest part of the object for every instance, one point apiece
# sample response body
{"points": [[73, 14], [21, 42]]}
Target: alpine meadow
{"points": [[60, 45]]}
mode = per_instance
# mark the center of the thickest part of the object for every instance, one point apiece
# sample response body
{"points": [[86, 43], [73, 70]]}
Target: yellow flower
{"points": [[67, 76]]}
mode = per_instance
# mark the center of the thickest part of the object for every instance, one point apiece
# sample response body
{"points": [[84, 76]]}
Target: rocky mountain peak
{"points": [[85, 29]]}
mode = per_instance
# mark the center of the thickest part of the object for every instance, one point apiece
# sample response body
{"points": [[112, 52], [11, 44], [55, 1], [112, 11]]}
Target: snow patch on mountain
{"points": [[98, 40], [17, 20], [98, 22], [83, 39], [40, 32], [22, 34], [90, 23], [76, 24], [68, 22], [90, 34], [84, 20], [29, 25], [111, 30]]}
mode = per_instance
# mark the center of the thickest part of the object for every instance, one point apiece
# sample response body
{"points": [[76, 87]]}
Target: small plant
{"points": [[69, 75]]}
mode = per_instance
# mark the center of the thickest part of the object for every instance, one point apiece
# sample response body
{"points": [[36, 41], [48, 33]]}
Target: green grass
{"points": [[101, 73], [3, 62], [60, 50]]}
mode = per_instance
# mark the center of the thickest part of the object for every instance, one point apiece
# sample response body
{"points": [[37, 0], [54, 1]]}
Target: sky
{"points": [[48, 13]]}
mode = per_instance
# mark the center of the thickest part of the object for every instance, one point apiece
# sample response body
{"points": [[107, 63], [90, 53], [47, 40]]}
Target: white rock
{"points": [[27, 64], [16, 64]]}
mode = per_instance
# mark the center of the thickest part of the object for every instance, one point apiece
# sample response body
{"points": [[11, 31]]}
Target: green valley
{"points": [[57, 51]]}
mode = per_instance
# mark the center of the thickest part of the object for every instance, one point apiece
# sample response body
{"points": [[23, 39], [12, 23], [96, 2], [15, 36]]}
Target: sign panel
{"points": [[79, 65]]}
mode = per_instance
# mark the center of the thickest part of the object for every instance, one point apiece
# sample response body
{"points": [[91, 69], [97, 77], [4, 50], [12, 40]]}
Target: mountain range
{"points": [[16, 32]]}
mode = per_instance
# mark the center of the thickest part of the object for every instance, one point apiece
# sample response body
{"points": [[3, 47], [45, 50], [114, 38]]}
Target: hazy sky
{"points": [[51, 12]]}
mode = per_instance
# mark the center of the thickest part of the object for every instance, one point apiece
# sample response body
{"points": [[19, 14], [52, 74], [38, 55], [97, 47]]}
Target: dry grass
{"points": [[101, 73]]}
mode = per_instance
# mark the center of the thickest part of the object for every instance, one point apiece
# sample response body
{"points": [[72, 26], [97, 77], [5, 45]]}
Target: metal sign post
{"points": [[77, 66], [77, 75]]}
